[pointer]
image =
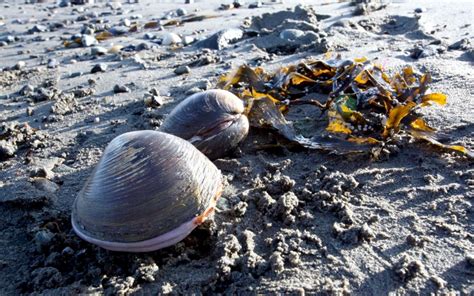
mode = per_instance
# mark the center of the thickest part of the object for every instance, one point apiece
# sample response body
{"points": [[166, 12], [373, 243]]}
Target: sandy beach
{"points": [[289, 221]]}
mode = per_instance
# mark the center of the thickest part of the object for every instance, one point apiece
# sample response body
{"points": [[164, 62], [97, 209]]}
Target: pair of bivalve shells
{"points": [[150, 189]]}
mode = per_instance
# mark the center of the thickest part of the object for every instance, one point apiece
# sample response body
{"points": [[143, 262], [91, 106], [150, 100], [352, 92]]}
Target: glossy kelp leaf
{"points": [[364, 105], [430, 139], [438, 98], [265, 114], [243, 74], [420, 124], [396, 115], [338, 126]]}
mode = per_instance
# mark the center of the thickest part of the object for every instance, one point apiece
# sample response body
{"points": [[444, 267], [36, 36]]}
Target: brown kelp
{"points": [[365, 106]]}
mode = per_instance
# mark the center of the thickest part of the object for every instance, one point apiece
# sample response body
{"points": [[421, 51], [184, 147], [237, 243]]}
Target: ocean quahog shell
{"points": [[148, 191], [213, 121]]}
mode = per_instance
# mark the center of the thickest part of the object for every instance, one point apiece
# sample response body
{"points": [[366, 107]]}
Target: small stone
{"points": [[97, 120], [30, 111], [470, 259], [142, 46], [76, 74], [20, 65], [170, 38], [154, 91], [238, 3], [27, 89], [67, 251], [42, 172], [126, 22], [7, 39], [37, 29], [88, 40], [64, 3], [43, 239], [188, 40], [221, 39], [181, 12], [52, 63], [189, 2], [99, 68], [182, 70], [7, 149], [463, 44], [46, 185], [257, 4], [149, 36], [419, 10], [121, 89], [153, 101], [98, 51]]}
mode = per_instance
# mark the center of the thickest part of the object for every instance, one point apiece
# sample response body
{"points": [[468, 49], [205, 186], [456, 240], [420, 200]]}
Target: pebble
{"points": [[76, 74], [37, 29], [181, 12], [7, 149], [189, 2], [170, 38], [419, 10], [7, 39], [27, 89], [46, 185], [97, 120], [221, 39], [20, 65], [188, 40], [238, 3], [30, 111], [126, 22], [153, 100], [149, 36], [42, 172], [121, 89], [52, 63], [88, 40], [99, 68], [98, 50], [182, 70], [470, 259], [43, 239], [67, 251], [462, 44], [257, 4]]}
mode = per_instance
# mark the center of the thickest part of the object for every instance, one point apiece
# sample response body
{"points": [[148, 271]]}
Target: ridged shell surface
{"points": [[212, 120], [146, 183]]}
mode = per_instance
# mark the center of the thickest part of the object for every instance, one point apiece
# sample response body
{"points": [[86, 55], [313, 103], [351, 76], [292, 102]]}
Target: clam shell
{"points": [[148, 191], [213, 121]]}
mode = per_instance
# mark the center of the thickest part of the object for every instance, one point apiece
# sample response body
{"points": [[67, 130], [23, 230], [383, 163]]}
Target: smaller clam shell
{"points": [[213, 121], [148, 191]]}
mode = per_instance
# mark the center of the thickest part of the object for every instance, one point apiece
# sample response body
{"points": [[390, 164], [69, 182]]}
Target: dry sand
{"points": [[289, 221]]}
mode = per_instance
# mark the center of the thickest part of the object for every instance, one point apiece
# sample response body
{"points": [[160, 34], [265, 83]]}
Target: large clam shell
{"points": [[213, 121], [148, 191]]}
